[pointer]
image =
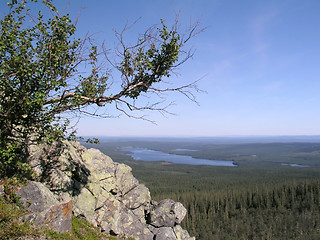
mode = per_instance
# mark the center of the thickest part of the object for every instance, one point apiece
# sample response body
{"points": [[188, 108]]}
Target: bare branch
{"points": [[136, 78]]}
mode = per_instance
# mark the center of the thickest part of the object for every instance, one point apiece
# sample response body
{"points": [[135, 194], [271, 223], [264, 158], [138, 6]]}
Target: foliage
{"points": [[290, 211], [40, 76]]}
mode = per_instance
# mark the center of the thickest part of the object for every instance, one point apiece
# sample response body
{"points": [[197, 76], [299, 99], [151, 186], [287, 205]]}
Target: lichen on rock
{"points": [[105, 192]]}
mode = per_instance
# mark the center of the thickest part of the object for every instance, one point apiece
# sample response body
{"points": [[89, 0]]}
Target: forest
{"points": [[263, 198]]}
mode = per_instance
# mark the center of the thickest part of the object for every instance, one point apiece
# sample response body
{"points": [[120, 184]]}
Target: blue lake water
{"points": [[295, 165], [143, 154], [185, 150]]}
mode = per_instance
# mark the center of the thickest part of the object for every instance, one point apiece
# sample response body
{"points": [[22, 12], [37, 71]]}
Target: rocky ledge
{"points": [[87, 183]]}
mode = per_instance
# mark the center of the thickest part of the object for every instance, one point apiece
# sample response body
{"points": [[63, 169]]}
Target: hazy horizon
{"points": [[216, 139]]}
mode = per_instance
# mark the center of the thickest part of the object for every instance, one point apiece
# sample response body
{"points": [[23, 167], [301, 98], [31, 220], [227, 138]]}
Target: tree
{"points": [[40, 78]]}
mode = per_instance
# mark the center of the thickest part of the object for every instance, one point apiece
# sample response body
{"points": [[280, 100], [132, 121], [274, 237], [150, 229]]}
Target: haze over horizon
{"points": [[259, 62]]}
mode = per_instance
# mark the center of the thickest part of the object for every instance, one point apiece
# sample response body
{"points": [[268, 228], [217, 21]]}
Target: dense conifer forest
{"points": [[260, 200], [283, 211]]}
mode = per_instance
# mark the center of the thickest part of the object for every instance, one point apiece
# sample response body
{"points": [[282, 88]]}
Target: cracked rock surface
{"points": [[106, 193]]}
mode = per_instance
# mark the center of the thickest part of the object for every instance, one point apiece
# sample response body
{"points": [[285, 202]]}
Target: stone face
{"points": [[59, 217], [115, 218], [59, 166], [138, 196], [38, 196], [180, 212], [103, 192], [165, 233], [84, 204], [182, 234], [167, 213], [124, 179], [45, 208]]}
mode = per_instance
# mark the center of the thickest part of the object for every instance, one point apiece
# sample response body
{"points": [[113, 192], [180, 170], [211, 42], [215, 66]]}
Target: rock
{"points": [[165, 233], [138, 196], [1, 190], [103, 192], [180, 212], [58, 217], [59, 166], [36, 197], [182, 234], [84, 205], [167, 213], [116, 219], [45, 208], [99, 165], [124, 179]]}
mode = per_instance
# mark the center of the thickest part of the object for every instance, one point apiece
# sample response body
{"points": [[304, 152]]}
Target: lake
{"points": [[294, 165], [143, 154]]}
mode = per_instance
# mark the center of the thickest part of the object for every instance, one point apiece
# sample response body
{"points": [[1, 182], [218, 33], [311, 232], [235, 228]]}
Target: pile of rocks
{"points": [[102, 191]]}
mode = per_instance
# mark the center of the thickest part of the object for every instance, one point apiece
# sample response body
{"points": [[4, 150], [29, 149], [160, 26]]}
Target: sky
{"points": [[258, 61]]}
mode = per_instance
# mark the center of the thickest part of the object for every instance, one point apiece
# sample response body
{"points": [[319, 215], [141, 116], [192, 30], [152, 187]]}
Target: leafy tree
{"points": [[41, 64]]}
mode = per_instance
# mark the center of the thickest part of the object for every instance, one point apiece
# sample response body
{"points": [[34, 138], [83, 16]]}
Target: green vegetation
{"points": [[46, 73], [259, 199], [9, 227], [254, 209]]}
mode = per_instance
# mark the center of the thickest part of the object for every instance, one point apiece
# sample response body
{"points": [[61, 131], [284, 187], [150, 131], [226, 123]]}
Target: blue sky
{"points": [[259, 62]]}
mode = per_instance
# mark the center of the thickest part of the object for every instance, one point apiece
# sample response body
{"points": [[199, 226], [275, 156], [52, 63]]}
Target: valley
{"points": [[267, 196]]}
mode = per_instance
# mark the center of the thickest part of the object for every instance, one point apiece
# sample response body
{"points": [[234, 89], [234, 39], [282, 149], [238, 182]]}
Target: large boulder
{"points": [[171, 233], [167, 213], [36, 197], [44, 207]]}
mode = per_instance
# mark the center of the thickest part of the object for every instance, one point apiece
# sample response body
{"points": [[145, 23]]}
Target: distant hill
{"points": [[220, 139]]}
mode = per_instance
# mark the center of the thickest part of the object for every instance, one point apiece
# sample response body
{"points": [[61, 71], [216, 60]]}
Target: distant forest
{"points": [[260, 199], [284, 211]]}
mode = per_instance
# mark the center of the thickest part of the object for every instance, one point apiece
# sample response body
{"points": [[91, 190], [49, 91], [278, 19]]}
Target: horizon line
{"points": [[201, 136]]}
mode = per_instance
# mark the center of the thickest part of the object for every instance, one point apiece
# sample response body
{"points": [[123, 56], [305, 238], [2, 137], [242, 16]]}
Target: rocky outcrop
{"points": [[44, 207], [103, 192]]}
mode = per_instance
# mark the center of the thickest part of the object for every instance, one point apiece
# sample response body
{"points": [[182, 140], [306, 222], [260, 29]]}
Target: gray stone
{"points": [[36, 197], [140, 213], [115, 218], [84, 205], [124, 179], [138, 196], [167, 213], [180, 212], [59, 166], [165, 233], [103, 192], [182, 234], [58, 217], [45, 208]]}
